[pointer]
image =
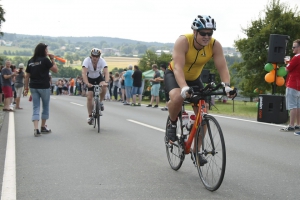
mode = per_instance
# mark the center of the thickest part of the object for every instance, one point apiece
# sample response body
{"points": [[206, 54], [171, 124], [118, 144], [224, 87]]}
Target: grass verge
{"points": [[231, 108]]}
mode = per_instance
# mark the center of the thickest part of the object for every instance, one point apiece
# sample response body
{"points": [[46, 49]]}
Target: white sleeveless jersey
{"points": [[87, 63]]}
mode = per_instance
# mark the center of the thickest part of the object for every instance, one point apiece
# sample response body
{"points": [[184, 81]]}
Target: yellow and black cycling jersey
{"points": [[195, 59]]}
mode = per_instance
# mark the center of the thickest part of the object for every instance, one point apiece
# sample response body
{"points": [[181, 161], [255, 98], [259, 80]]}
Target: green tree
{"points": [[68, 56], [150, 58], [2, 19], [164, 59], [279, 19], [147, 60]]}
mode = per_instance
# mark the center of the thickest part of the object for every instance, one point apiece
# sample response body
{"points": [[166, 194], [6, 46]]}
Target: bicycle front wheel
{"points": [[175, 151], [97, 116], [211, 147]]}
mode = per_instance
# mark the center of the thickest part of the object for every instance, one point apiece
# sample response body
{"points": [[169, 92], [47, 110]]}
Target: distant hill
{"points": [[12, 37], [82, 45]]}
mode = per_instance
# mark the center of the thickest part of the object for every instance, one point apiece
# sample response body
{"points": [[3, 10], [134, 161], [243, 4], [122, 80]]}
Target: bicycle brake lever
{"points": [[233, 92], [191, 91]]}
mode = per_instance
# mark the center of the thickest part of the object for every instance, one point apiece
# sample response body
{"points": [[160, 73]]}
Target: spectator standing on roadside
{"points": [[123, 86], [19, 84], [72, 84], [155, 87], [59, 87], [78, 86], [37, 79], [7, 75], [128, 81], [292, 92], [163, 68], [111, 83], [65, 88], [116, 85], [83, 88], [137, 86], [13, 79]]}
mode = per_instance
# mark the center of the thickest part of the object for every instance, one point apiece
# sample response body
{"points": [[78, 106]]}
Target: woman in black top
{"points": [[37, 79]]}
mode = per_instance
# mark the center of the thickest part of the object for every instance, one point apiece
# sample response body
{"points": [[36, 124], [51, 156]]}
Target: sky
{"points": [[143, 20]]}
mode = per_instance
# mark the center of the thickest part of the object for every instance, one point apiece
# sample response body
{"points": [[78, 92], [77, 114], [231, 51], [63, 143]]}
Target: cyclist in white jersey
{"points": [[94, 69]]}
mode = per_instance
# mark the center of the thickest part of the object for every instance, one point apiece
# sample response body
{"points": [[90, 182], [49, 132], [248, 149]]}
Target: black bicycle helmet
{"points": [[203, 22], [95, 52]]}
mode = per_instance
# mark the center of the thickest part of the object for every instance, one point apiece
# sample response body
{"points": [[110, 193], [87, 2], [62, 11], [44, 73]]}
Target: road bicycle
{"points": [[96, 113], [206, 136]]}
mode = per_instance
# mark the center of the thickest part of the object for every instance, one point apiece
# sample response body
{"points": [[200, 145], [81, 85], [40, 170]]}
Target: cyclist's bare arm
{"points": [[84, 76], [220, 62], [181, 47], [221, 65]]}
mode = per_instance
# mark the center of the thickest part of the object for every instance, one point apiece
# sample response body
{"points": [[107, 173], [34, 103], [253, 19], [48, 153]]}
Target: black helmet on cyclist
{"points": [[95, 52], [203, 22]]}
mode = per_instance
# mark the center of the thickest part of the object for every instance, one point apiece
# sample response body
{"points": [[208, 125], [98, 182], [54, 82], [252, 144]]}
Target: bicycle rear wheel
{"points": [[175, 151], [211, 146]]}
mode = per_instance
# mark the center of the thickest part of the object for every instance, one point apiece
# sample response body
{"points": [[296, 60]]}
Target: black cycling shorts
{"points": [[170, 81], [95, 81]]}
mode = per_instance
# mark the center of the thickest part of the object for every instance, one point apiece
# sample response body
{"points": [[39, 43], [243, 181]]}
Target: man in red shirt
{"points": [[293, 90]]}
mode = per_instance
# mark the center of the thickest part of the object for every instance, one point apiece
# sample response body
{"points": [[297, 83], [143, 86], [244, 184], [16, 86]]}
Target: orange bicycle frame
{"points": [[198, 120]]}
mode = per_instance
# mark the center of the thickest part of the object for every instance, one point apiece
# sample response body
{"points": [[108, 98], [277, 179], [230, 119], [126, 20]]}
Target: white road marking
{"points": [[9, 175], [146, 125], [162, 130], [76, 104], [245, 120]]}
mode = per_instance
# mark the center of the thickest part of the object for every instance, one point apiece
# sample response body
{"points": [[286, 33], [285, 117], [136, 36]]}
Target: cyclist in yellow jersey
{"points": [[191, 52]]}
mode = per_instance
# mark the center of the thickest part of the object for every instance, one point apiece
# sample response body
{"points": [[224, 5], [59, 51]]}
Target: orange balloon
{"points": [[280, 81], [270, 78], [274, 65], [272, 72]]}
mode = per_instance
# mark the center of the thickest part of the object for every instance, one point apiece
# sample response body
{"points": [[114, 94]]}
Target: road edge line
{"points": [[9, 174]]}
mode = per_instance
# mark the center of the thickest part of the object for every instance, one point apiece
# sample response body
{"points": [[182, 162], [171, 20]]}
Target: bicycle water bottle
{"points": [[185, 133], [191, 122], [185, 118]]}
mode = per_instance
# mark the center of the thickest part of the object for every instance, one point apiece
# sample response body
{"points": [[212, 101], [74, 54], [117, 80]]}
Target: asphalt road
{"points": [[127, 159]]}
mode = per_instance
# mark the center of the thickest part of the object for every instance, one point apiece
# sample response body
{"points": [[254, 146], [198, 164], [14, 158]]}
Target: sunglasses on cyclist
{"points": [[205, 33], [95, 56]]}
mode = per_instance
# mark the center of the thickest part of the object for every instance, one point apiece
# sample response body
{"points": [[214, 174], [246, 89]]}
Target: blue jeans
{"points": [[37, 95], [128, 92], [136, 90]]}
